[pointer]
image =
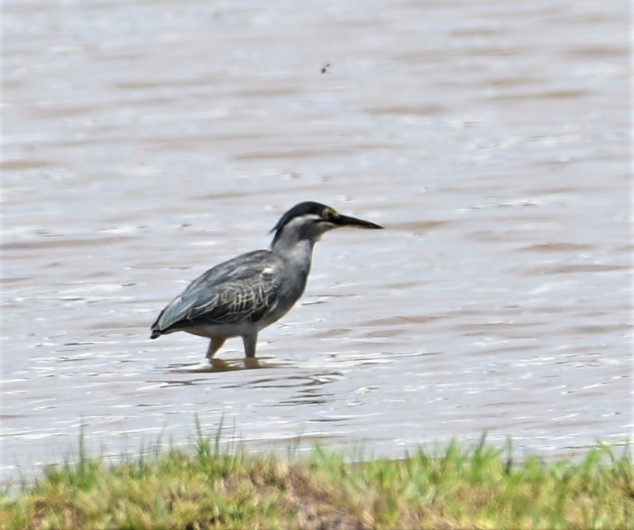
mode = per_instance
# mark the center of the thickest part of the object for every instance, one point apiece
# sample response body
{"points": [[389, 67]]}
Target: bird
{"points": [[242, 296]]}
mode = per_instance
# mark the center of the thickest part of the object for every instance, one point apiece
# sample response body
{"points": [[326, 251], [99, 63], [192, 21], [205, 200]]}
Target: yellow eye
{"points": [[329, 214]]}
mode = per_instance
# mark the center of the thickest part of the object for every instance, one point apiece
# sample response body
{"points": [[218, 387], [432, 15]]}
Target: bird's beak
{"points": [[344, 220]]}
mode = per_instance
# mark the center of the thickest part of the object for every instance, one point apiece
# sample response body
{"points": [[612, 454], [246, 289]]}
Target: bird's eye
{"points": [[329, 214]]}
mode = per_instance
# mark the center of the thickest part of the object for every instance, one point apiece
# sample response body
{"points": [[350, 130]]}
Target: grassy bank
{"points": [[479, 487]]}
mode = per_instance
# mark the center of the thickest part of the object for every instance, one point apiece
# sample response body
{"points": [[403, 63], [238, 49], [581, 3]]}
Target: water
{"points": [[145, 142]]}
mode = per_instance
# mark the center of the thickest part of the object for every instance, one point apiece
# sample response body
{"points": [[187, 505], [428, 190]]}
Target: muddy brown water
{"points": [[147, 141]]}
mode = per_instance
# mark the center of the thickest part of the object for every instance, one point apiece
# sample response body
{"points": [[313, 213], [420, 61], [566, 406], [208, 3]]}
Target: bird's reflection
{"points": [[223, 365]]}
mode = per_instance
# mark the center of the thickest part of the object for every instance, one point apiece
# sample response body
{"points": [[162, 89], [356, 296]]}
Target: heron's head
{"points": [[309, 220]]}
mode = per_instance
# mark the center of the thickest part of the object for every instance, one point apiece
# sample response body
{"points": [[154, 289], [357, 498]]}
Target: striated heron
{"points": [[245, 294]]}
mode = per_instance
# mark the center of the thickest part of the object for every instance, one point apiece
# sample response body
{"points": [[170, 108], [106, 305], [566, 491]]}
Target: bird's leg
{"points": [[249, 344], [214, 346]]}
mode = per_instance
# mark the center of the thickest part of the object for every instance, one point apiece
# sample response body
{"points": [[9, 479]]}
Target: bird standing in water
{"points": [[243, 295]]}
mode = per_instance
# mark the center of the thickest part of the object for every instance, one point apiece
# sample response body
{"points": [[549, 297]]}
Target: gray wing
{"points": [[238, 290]]}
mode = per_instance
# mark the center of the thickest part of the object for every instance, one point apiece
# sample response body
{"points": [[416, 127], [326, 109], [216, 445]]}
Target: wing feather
{"points": [[234, 291]]}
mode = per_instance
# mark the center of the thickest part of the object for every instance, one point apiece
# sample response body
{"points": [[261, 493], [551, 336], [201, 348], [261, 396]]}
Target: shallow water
{"points": [[145, 142]]}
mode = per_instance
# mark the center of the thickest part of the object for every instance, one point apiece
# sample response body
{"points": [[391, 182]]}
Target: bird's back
{"points": [[236, 293]]}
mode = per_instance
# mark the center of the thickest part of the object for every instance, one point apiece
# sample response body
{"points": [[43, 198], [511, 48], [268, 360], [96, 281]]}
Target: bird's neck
{"points": [[286, 245], [297, 251]]}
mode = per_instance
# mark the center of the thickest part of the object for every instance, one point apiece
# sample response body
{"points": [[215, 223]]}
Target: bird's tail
{"points": [[156, 329]]}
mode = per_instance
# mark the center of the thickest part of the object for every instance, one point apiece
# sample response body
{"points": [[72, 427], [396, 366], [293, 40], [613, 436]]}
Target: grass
{"points": [[204, 487]]}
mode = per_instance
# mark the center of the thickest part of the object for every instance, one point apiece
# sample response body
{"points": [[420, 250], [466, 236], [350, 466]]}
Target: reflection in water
{"points": [[223, 365]]}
